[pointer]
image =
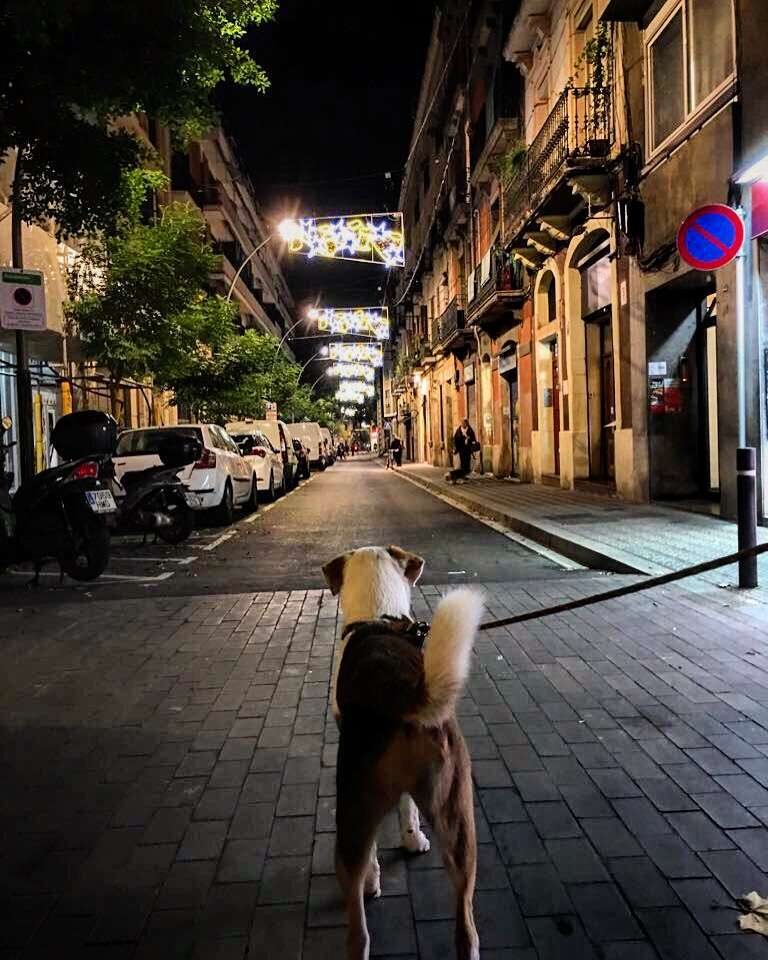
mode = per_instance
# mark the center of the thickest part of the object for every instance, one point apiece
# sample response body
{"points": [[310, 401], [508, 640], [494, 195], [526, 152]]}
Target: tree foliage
{"points": [[71, 68], [137, 296]]}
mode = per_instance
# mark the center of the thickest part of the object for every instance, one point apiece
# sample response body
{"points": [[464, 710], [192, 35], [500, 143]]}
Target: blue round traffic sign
{"points": [[711, 237]]}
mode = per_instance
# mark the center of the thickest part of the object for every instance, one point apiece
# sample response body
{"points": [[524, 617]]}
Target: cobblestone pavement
{"points": [[168, 782]]}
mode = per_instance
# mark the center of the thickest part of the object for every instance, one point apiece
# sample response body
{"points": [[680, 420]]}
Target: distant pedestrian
{"points": [[396, 446], [465, 444]]}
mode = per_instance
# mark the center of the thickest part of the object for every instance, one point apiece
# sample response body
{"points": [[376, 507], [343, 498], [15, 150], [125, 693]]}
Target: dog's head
{"points": [[373, 582]]}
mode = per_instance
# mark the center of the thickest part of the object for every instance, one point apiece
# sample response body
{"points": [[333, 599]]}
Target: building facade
{"points": [[544, 297], [208, 176]]}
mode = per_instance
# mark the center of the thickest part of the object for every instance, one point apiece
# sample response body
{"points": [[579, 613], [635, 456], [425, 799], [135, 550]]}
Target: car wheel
{"points": [[225, 512], [252, 503], [269, 493]]}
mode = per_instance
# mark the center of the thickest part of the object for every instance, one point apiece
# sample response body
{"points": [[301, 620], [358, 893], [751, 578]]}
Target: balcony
{"points": [[498, 125], [448, 330], [565, 166], [624, 10], [495, 290]]}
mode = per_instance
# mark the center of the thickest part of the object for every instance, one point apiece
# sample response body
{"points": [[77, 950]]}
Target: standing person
{"points": [[396, 446], [465, 444]]}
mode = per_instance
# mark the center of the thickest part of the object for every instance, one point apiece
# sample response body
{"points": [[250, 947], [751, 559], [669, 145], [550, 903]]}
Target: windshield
{"points": [[134, 443]]}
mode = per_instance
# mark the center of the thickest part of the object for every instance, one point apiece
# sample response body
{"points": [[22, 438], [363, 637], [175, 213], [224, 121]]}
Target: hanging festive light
{"points": [[371, 353], [370, 321], [354, 391], [366, 237], [351, 371]]}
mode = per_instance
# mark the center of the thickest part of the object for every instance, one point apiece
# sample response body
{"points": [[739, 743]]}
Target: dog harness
{"points": [[414, 631]]}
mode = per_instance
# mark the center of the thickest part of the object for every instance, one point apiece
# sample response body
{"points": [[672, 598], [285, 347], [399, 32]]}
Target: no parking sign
{"points": [[711, 237], [22, 300]]}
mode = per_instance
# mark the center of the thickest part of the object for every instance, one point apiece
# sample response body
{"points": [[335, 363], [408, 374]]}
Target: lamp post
{"points": [[286, 230], [322, 352]]}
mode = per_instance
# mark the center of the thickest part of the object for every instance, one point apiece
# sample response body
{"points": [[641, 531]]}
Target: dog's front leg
{"points": [[411, 836]]}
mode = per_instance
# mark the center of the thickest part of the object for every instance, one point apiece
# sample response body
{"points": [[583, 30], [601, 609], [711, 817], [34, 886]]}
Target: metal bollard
{"points": [[746, 505]]}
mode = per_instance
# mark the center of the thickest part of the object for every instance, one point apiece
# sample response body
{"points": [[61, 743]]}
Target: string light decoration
{"points": [[348, 411], [370, 321], [351, 371], [354, 391], [365, 237], [370, 353]]}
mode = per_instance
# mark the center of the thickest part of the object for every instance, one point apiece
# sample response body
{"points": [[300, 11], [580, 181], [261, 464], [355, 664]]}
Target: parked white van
{"points": [[281, 439], [309, 434]]}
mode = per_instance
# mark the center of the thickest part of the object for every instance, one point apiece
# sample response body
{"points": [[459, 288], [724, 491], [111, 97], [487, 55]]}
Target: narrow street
{"points": [[168, 754], [284, 545]]}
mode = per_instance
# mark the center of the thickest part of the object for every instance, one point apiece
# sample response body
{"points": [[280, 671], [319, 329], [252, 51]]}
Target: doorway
{"points": [[601, 395], [555, 404], [683, 429], [514, 420]]}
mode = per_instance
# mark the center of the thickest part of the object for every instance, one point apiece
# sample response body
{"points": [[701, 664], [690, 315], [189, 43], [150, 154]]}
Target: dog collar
{"points": [[414, 631]]}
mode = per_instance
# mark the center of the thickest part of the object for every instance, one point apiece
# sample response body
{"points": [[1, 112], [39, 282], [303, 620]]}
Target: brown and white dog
{"points": [[399, 738]]}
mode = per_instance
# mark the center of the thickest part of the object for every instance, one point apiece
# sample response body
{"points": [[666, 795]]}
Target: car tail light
{"points": [[259, 452], [207, 461], [85, 471]]}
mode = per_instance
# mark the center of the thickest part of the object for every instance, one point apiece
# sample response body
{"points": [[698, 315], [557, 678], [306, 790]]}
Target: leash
{"points": [[649, 584]]}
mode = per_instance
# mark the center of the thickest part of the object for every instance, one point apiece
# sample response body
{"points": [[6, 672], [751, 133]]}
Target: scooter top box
{"points": [[84, 434]]}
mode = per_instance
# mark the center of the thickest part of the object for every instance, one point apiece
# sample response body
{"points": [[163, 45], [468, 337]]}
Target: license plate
{"points": [[192, 499], [101, 501]]}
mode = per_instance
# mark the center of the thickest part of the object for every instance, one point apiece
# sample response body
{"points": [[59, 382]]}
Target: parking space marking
{"points": [[182, 561], [219, 540], [269, 506], [104, 578]]}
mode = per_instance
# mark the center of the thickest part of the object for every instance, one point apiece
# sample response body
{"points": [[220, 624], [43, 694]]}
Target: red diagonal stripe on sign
{"points": [[710, 236]]}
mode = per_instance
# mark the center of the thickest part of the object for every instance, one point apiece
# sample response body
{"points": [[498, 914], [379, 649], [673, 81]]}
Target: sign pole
{"points": [[23, 379]]}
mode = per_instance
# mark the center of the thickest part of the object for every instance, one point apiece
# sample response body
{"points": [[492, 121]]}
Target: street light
{"points": [[287, 230], [322, 352]]}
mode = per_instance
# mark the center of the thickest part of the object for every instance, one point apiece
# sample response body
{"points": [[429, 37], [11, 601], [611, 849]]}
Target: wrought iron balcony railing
{"points": [[580, 127]]}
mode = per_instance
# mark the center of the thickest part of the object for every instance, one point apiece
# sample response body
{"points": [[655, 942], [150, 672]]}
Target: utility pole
{"points": [[23, 378]]}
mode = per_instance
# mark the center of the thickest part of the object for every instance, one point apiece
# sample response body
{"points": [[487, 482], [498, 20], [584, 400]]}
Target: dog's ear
{"points": [[333, 572], [413, 565]]}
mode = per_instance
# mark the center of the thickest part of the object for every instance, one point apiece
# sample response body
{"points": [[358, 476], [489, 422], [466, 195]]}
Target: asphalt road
{"points": [[283, 546]]}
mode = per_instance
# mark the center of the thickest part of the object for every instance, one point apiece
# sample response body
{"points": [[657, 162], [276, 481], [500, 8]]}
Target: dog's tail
{"points": [[447, 654]]}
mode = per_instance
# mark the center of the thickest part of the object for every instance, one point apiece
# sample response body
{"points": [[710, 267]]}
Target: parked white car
{"points": [[281, 439], [266, 462], [220, 480], [309, 434]]}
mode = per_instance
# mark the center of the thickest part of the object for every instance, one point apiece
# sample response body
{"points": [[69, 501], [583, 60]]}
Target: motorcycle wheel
{"points": [[183, 518], [89, 554]]}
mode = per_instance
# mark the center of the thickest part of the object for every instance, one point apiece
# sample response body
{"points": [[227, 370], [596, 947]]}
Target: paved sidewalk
{"points": [[168, 782], [600, 531]]}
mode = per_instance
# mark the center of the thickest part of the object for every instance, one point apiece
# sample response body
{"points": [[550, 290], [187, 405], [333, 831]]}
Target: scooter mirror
{"points": [[6, 423]]}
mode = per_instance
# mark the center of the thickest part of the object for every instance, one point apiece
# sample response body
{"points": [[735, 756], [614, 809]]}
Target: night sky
{"points": [[345, 80]]}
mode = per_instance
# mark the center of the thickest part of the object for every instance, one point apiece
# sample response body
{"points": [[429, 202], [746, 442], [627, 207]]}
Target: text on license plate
{"points": [[101, 501]]}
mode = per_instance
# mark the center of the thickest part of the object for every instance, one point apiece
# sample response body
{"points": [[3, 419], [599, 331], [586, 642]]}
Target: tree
{"points": [[236, 378], [72, 68], [138, 296]]}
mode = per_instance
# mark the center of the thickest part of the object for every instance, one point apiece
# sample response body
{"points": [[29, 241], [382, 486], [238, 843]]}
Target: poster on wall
{"points": [[656, 394]]}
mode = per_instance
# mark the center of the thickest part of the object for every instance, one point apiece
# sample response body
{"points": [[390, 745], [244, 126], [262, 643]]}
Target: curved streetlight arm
{"points": [[316, 382], [245, 263]]}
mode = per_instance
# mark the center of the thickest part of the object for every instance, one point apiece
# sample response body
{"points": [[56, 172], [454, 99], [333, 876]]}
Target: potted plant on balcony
{"points": [[597, 55], [508, 165]]}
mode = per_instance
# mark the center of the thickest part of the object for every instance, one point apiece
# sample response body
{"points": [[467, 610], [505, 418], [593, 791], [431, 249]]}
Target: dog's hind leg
{"points": [[412, 838], [373, 874], [450, 810], [352, 882]]}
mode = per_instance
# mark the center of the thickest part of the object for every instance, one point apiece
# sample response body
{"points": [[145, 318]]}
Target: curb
{"points": [[572, 546]]}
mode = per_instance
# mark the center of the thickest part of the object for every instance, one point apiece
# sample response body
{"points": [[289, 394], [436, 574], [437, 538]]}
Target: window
{"points": [[690, 58]]}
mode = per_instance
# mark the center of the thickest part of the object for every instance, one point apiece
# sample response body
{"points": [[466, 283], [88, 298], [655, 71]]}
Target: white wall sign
{"points": [[657, 368], [22, 300], [469, 373]]}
